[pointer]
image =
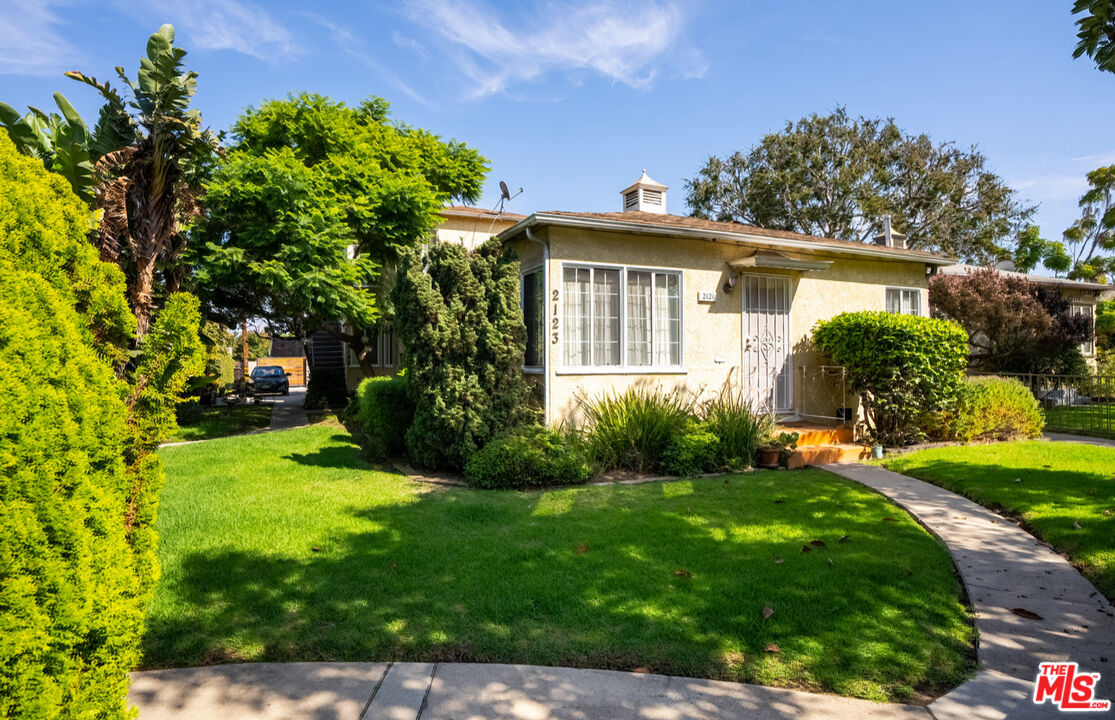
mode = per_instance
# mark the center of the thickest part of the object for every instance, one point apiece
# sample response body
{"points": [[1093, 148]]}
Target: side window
{"points": [[904, 301]]}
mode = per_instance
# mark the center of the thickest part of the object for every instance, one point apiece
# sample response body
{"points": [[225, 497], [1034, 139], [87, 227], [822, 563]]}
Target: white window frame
{"points": [[900, 289], [623, 368], [1088, 347], [541, 270]]}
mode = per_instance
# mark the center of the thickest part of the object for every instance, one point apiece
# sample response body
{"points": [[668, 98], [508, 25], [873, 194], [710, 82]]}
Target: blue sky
{"points": [[571, 99]]}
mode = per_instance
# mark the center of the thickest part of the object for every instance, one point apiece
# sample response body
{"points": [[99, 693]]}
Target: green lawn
{"points": [[1062, 485], [287, 546], [1089, 419], [214, 422]]}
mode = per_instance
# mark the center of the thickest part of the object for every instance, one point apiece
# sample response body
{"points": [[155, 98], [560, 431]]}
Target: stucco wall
{"points": [[711, 332], [470, 231]]}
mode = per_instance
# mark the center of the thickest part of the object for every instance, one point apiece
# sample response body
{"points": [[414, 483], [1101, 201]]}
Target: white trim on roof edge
{"points": [[742, 238]]}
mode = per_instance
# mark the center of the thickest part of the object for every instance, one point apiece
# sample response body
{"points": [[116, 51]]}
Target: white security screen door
{"points": [[767, 370]]}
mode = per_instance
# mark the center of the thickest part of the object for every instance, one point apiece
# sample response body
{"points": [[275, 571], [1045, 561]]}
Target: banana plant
{"points": [[62, 142]]}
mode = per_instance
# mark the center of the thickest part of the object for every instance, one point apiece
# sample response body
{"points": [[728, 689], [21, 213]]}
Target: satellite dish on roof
{"points": [[505, 196]]}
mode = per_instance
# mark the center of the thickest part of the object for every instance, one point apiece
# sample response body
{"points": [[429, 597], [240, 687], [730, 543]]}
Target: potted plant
{"points": [[776, 449]]}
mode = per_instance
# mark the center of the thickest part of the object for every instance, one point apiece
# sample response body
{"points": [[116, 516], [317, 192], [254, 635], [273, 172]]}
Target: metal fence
{"points": [[1080, 404]]}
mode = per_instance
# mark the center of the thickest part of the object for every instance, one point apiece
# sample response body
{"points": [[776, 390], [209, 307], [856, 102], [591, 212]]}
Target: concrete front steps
{"points": [[824, 445]]}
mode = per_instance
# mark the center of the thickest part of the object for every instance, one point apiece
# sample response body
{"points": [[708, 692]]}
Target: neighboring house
{"points": [[1083, 296], [644, 298]]}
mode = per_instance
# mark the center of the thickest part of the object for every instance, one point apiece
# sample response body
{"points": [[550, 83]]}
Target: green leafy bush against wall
{"points": [[75, 548], [458, 315], [528, 457], [633, 429], [384, 408], [902, 366], [693, 451]]}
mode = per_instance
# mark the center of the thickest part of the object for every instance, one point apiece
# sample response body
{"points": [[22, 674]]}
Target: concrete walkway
{"points": [[461, 691], [1004, 569], [1086, 439], [289, 411]]}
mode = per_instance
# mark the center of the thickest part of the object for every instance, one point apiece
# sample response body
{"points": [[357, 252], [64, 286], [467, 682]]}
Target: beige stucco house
{"points": [[640, 297]]}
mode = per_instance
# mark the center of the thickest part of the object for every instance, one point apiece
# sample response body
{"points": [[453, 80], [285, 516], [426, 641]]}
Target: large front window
{"points": [[615, 317]]}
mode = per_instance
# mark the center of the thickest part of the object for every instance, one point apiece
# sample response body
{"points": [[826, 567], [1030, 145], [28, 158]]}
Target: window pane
{"points": [[912, 302], [638, 318], [894, 301], [533, 317], [667, 319], [605, 320], [577, 319]]}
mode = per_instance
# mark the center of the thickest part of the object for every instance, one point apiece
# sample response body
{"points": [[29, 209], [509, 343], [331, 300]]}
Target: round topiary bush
{"points": [[73, 586], [995, 408], [691, 452], [386, 411], [528, 457]]}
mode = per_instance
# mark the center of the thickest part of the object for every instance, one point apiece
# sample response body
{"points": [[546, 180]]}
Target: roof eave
{"points": [[742, 238]]}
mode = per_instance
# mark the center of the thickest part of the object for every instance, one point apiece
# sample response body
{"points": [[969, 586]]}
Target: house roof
{"points": [[963, 269], [468, 211], [683, 226]]}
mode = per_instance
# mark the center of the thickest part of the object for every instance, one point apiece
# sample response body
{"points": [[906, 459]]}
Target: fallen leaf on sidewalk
{"points": [[1029, 615], [641, 670], [772, 648], [767, 612]]}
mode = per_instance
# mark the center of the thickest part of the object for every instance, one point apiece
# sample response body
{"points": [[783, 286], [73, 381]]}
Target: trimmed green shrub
{"points": [[386, 411], [528, 457], [732, 417], [994, 408], [458, 315], [632, 430], [902, 366], [693, 451], [328, 388], [76, 544]]}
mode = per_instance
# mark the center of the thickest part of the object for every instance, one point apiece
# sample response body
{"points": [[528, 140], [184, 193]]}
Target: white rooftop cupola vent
{"points": [[890, 237], [645, 195]]}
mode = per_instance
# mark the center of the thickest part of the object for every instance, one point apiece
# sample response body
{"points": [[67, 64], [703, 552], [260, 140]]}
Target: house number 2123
{"points": [[554, 321]]}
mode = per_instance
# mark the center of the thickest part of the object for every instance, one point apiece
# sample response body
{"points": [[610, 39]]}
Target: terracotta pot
{"points": [[768, 457]]}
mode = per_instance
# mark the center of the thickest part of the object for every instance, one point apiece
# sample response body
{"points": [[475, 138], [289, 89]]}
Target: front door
{"points": [[767, 370]]}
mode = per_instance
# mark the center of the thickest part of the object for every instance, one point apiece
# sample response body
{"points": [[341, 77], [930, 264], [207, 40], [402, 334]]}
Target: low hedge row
{"points": [[386, 411]]}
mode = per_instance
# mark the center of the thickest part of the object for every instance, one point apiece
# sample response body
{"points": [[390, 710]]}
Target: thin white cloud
{"points": [[354, 48], [241, 27], [29, 40], [629, 44]]}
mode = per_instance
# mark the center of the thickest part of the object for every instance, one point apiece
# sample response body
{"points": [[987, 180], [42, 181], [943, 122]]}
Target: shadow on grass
{"points": [[670, 577]]}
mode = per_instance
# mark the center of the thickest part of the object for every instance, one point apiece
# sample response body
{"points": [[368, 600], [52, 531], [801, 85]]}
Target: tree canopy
{"points": [[836, 176], [1096, 32], [315, 198], [1013, 325], [1092, 237]]}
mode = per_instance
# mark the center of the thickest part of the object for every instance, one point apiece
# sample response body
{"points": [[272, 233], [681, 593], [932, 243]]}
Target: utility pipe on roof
{"points": [[545, 325]]}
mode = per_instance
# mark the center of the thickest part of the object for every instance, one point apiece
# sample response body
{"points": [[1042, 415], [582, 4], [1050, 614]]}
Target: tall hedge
{"points": [[902, 366], [458, 315], [72, 596]]}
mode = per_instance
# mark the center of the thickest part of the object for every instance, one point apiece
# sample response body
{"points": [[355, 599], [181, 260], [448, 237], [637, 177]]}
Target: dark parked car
{"points": [[270, 379]]}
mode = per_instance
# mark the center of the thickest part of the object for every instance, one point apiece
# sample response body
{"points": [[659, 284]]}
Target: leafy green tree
{"points": [[1092, 237], [835, 176], [1032, 250], [314, 199], [1096, 32], [258, 345], [459, 317], [141, 166]]}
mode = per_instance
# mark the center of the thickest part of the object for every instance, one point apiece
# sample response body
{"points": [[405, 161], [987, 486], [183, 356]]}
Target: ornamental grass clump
{"points": [[632, 430], [731, 416]]}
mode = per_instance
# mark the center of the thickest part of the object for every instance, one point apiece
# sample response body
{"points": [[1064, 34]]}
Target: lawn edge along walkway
{"points": [[1006, 570]]}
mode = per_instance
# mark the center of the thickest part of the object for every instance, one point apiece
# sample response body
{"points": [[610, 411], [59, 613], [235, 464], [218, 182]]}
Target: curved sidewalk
{"points": [[1004, 568]]}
